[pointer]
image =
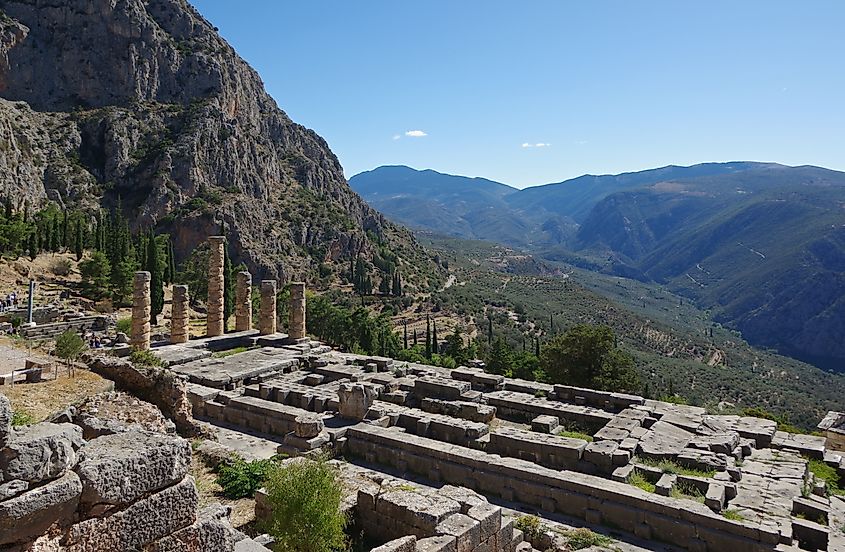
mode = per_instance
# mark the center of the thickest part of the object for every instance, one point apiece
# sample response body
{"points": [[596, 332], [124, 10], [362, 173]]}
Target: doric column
{"points": [[243, 302], [296, 311], [179, 317], [215, 286], [267, 314], [141, 309]]}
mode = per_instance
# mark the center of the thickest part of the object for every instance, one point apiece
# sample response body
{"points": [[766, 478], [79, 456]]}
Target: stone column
{"points": [[179, 316], [243, 302], [267, 314], [29, 302], [296, 311], [215, 286], [141, 309]]}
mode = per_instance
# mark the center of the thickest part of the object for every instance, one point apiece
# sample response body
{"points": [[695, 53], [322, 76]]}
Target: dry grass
{"points": [[243, 510], [39, 400]]}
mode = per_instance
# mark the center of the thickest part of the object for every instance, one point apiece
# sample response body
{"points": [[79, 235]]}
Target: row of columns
{"points": [[141, 304]]}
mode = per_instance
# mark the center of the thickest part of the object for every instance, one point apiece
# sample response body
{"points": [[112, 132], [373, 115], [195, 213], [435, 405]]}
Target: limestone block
{"points": [[415, 509], [355, 400], [243, 302], [12, 488], [118, 469], [442, 543], [5, 420], [466, 531], [665, 483], [663, 440], [811, 535], [308, 425], [600, 453], [545, 423], [145, 521], [215, 285], [29, 515], [40, 452], [211, 532], [404, 544], [489, 518], [267, 309]]}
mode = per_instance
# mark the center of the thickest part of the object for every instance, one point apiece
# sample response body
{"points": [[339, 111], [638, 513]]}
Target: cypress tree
{"points": [[171, 258], [65, 236], [435, 346], [156, 285], [551, 323], [26, 212], [490, 330], [9, 208], [33, 245], [427, 336], [78, 242], [228, 287], [537, 347], [415, 337], [405, 340]]}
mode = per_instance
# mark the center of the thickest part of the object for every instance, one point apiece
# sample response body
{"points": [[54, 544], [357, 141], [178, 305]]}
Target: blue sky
{"points": [[540, 91]]}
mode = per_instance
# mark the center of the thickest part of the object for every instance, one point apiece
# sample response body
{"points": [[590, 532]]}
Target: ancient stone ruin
{"points": [[180, 316], [141, 309], [127, 488], [215, 286]]}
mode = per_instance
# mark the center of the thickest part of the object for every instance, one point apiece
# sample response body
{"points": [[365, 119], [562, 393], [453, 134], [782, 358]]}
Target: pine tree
{"points": [[228, 288], [156, 285], [77, 246], [427, 336]]}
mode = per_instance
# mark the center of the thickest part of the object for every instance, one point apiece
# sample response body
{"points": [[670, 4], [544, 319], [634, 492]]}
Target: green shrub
{"points": [[69, 346], [124, 325], [21, 418], [828, 474], [581, 538], [575, 435], [530, 526], [240, 479], [637, 480], [668, 466], [733, 515], [305, 497], [144, 358]]}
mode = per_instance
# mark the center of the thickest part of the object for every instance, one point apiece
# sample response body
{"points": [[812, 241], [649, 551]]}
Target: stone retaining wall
{"points": [[596, 500]]}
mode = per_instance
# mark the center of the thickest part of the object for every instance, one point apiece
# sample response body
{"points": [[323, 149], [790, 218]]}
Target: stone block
{"points": [[810, 535], [40, 452], [664, 485], [442, 543], [545, 423], [211, 532], [120, 468], [5, 420], [489, 518], [403, 544], [307, 426], [715, 497], [356, 400], [467, 531], [30, 514], [145, 521]]}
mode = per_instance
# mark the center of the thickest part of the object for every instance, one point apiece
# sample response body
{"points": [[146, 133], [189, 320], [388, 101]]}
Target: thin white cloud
{"points": [[415, 134], [397, 136], [536, 145]]}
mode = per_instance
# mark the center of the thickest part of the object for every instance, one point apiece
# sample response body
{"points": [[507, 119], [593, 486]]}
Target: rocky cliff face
{"points": [[142, 102]]}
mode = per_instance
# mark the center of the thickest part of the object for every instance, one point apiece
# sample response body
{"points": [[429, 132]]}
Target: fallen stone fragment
{"points": [[40, 452], [25, 517]]}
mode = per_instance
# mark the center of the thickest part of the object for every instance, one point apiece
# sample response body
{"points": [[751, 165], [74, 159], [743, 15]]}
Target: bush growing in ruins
{"points": [[530, 526], [21, 418], [581, 538], [305, 497], [144, 358], [587, 356], [124, 325], [240, 479], [69, 346]]}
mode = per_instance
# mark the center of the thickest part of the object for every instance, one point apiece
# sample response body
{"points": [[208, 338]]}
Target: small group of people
{"points": [[94, 342], [9, 302]]}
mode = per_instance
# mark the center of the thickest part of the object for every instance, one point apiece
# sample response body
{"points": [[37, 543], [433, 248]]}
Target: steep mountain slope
{"points": [[142, 102], [765, 249], [444, 203]]}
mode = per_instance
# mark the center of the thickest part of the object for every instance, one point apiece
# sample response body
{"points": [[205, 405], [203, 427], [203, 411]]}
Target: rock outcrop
{"points": [[122, 491], [144, 101]]}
